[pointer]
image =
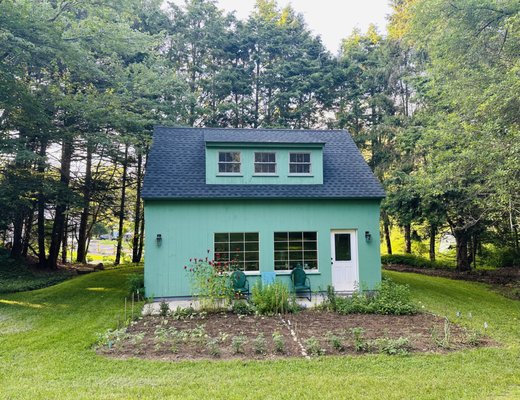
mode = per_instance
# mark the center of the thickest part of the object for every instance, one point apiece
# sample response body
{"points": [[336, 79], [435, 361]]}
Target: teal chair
{"points": [[240, 283], [301, 282]]}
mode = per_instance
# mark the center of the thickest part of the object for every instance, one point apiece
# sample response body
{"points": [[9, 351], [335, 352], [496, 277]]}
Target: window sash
{"points": [[265, 163], [292, 248], [229, 162], [243, 248], [300, 163]]}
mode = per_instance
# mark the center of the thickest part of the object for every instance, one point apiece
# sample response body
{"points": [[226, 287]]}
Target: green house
{"points": [[270, 199]]}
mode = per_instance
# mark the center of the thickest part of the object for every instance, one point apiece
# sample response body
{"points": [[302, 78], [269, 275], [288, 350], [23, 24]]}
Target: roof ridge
{"points": [[250, 129]]}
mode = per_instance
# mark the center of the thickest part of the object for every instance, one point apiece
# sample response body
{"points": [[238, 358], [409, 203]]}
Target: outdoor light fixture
{"points": [[159, 239], [368, 236]]}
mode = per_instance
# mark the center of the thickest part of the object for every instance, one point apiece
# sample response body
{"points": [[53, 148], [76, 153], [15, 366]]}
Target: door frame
{"points": [[354, 255]]}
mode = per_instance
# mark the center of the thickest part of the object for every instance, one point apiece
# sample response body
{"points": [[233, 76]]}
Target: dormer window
{"points": [[265, 163], [229, 162], [300, 163]]}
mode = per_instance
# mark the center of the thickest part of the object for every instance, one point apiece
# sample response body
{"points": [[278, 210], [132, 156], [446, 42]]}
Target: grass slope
{"points": [[46, 338]]}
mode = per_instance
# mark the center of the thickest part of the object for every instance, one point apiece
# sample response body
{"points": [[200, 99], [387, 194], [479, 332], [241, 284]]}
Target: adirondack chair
{"points": [[240, 283], [301, 282]]}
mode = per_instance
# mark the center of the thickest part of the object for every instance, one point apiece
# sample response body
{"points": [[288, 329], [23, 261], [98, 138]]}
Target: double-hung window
{"points": [[238, 248], [300, 163], [265, 163], [292, 249], [229, 162]]}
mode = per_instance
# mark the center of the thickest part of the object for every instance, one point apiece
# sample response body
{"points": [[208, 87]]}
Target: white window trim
{"points": [[300, 173], [275, 173], [307, 271], [230, 162]]}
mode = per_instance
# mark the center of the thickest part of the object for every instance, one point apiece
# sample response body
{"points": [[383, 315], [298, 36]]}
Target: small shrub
{"points": [[111, 337], [260, 344], [183, 313], [238, 343], [241, 307], [213, 347], [313, 347], [390, 298], [412, 261], [164, 308], [474, 338], [279, 342], [331, 303], [360, 344], [442, 340], [271, 299], [400, 346], [335, 342]]}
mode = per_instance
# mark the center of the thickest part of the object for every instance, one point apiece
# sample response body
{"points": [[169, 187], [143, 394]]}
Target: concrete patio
{"points": [[185, 302]]}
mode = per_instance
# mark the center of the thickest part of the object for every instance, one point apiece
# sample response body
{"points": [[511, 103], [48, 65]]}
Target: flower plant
{"points": [[211, 281]]}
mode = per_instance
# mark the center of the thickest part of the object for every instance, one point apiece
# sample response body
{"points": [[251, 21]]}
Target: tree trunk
{"points": [[463, 262], [28, 232], [433, 234], [137, 219], [61, 206], [141, 239], [17, 248], [122, 209], [407, 238], [64, 241], [40, 223], [83, 222], [386, 230]]}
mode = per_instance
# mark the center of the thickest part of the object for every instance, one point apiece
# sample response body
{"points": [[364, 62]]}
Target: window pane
{"points": [[281, 265], [311, 264], [236, 237], [280, 256], [310, 255], [251, 246], [221, 237], [280, 236], [309, 235], [251, 237], [342, 246], [251, 266], [251, 256], [236, 246], [310, 245], [221, 247], [295, 236], [281, 246]]}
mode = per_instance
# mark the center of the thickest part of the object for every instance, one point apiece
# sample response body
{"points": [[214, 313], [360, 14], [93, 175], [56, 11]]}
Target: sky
{"points": [[333, 20]]}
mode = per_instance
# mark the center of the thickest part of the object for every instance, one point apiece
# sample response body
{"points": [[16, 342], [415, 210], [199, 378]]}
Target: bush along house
{"points": [[269, 199]]}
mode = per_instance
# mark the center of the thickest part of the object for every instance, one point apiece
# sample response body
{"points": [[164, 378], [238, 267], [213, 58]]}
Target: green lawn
{"points": [[46, 338]]}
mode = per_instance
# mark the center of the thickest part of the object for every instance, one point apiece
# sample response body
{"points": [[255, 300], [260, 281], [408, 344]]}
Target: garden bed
{"points": [[230, 336]]}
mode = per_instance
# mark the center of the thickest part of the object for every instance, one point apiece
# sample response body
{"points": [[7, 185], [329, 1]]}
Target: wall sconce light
{"points": [[368, 236], [159, 239]]}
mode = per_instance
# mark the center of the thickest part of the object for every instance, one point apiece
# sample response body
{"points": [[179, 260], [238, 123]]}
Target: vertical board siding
{"points": [[187, 229]]}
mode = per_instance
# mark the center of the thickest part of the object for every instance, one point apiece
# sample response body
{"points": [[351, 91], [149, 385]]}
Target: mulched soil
{"points": [[155, 337]]}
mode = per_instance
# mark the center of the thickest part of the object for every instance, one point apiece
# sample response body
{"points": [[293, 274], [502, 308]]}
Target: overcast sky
{"points": [[333, 20]]}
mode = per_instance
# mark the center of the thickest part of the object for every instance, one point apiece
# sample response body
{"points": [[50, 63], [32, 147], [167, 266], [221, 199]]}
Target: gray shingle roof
{"points": [[176, 166], [261, 136]]}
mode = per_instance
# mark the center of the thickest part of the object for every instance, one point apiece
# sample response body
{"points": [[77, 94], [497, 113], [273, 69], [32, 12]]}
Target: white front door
{"points": [[344, 260]]}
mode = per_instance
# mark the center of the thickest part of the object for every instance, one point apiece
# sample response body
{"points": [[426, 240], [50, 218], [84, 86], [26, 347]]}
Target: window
{"points": [[300, 163], [228, 162], [265, 163], [295, 248], [240, 248]]}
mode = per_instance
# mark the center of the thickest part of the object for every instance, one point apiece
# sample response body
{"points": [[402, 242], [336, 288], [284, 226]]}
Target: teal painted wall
{"points": [[187, 229], [247, 175]]}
